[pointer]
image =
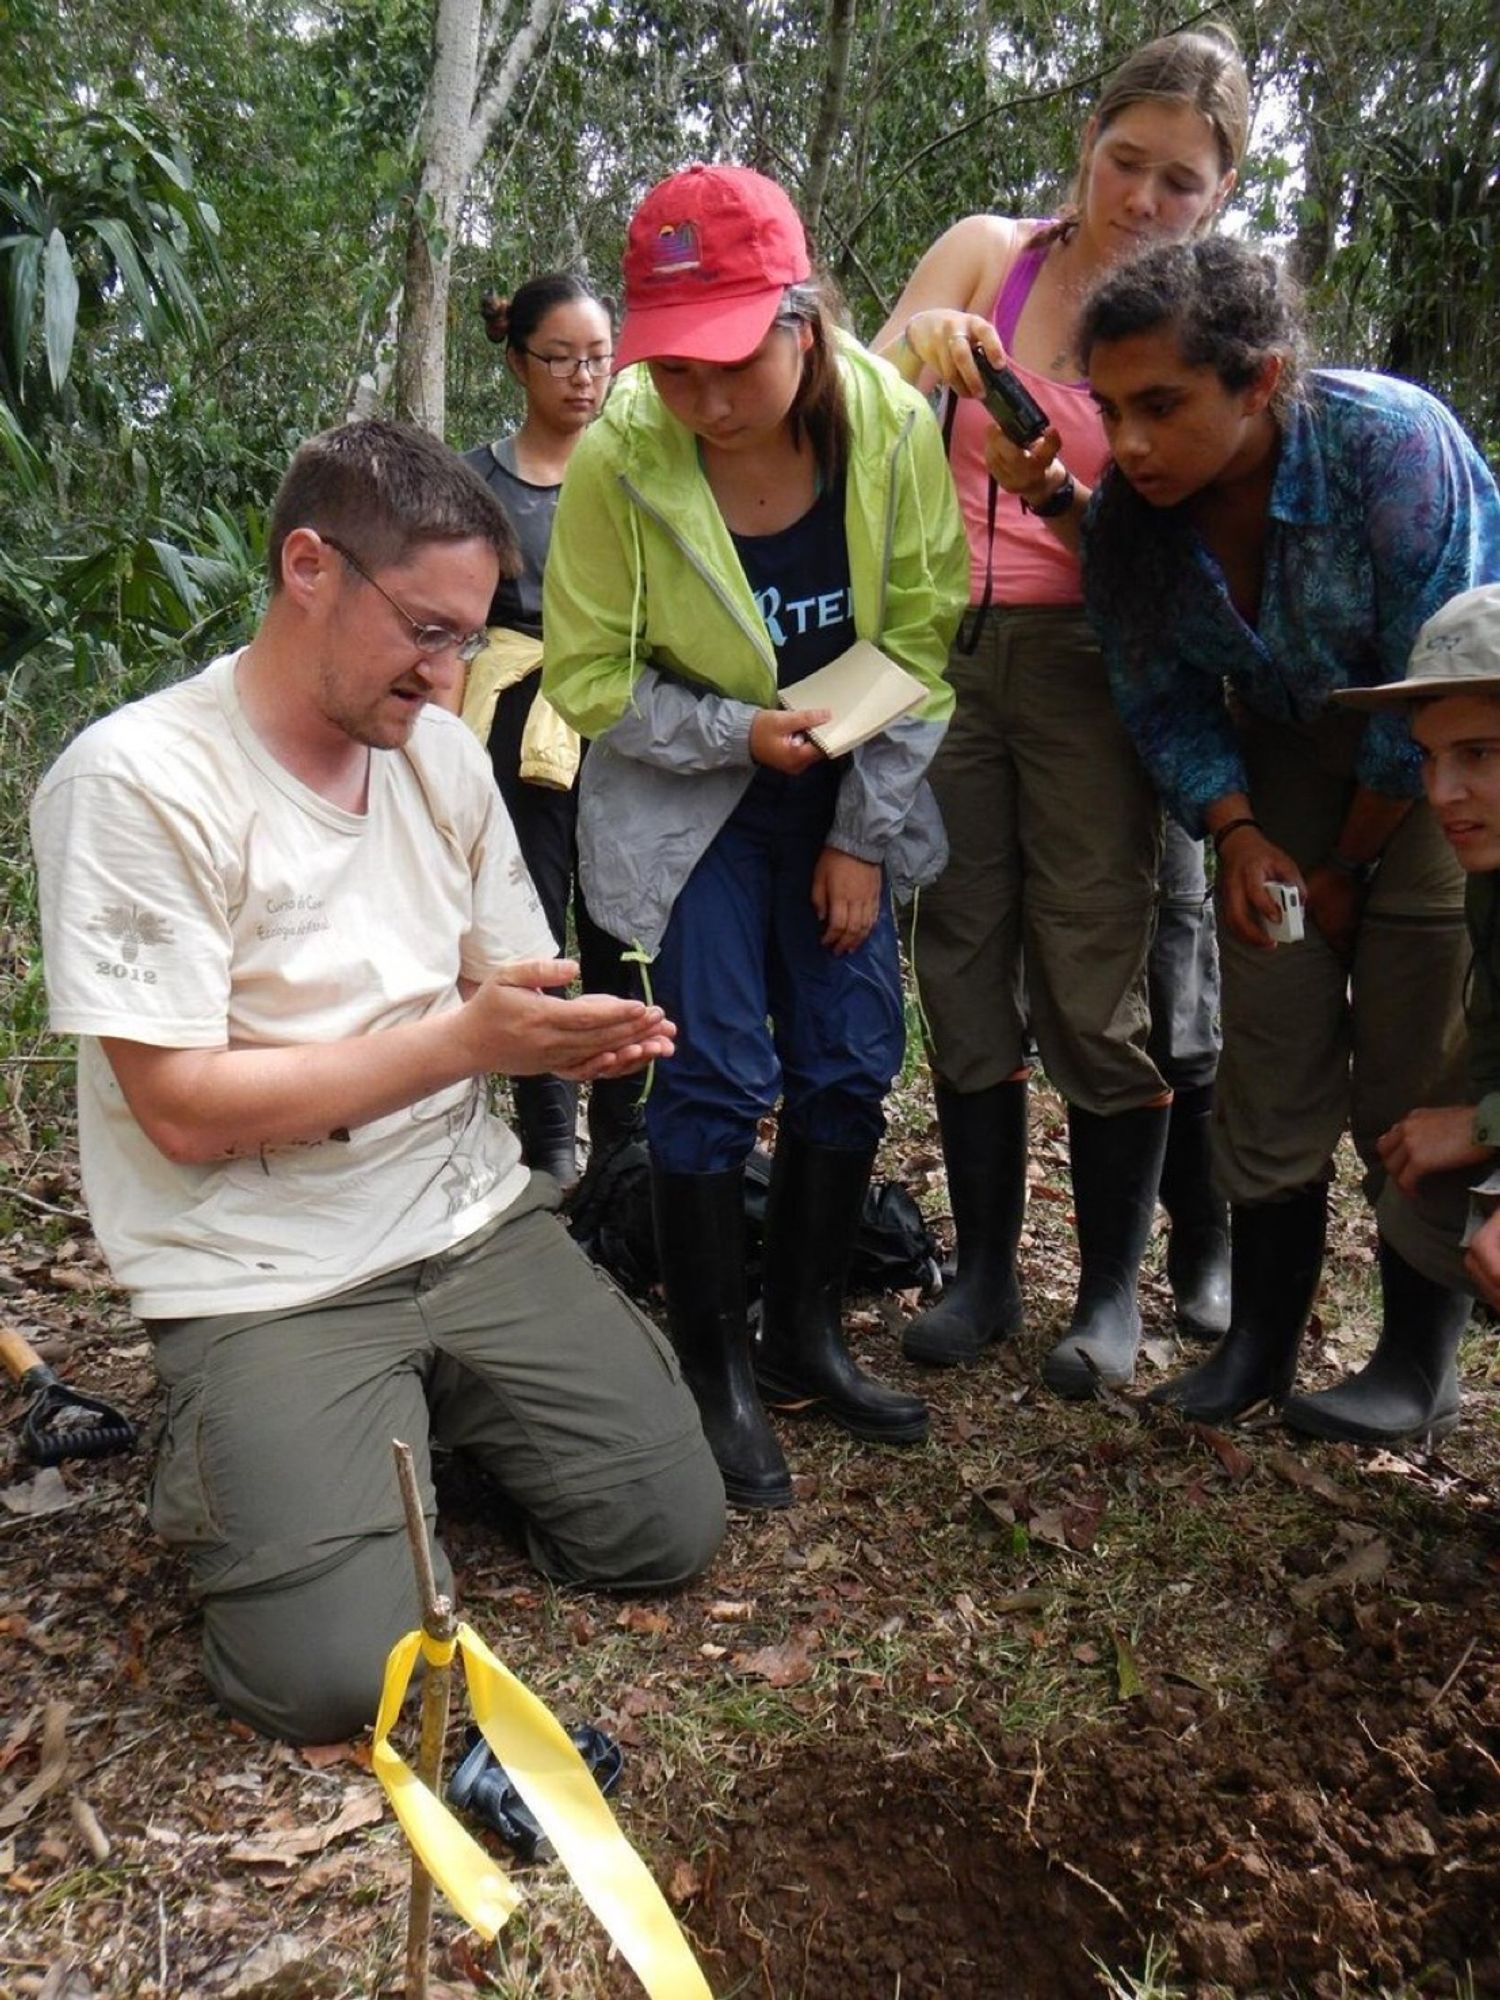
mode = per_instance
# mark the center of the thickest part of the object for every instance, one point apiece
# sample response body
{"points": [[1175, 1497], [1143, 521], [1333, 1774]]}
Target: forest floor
{"points": [[1075, 1700]]}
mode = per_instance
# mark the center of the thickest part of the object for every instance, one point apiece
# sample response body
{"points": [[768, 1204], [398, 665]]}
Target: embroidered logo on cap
{"points": [[676, 249]]}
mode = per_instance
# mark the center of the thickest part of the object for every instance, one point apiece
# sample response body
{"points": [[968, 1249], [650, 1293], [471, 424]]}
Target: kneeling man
{"points": [[285, 913]]}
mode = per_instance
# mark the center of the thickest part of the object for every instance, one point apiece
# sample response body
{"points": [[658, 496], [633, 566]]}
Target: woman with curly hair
{"points": [[1266, 539]]}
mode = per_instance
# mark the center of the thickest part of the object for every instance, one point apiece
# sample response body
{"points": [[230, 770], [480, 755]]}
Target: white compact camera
{"points": [[1287, 927]]}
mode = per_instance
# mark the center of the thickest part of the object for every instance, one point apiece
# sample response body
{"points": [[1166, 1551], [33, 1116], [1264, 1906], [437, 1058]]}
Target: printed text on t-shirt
{"points": [[803, 614]]}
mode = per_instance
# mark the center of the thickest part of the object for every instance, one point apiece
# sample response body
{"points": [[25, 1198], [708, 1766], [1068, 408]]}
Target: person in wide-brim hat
{"points": [[1451, 691]]}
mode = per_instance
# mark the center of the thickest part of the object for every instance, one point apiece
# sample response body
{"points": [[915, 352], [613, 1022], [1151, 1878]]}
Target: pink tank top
{"points": [[1031, 566]]}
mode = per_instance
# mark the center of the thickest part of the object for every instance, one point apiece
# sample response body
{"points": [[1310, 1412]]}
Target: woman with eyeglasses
{"points": [[558, 338], [757, 495]]}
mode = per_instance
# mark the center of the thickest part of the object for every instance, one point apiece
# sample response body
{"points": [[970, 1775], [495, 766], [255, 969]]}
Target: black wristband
{"points": [[1363, 872], [1221, 834], [1056, 503]]}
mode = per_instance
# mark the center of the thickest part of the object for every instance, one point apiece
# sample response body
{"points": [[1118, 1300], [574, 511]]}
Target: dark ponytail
{"points": [[513, 320]]}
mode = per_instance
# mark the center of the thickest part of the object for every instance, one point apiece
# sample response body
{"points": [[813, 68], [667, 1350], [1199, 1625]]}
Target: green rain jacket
{"points": [[655, 648]]}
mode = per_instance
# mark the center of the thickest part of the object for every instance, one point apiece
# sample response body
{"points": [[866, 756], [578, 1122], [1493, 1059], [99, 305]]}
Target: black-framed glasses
{"points": [[428, 639], [565, 366]]}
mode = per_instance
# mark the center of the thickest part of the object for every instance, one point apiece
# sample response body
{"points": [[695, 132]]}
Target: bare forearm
{"points": [[199, 1105]]}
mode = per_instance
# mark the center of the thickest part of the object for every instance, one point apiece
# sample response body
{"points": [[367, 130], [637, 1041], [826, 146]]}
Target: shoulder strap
{"points": [[973, 625]]}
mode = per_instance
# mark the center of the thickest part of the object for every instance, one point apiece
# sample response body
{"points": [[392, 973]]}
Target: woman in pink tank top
{"points": [[1046, 914]]}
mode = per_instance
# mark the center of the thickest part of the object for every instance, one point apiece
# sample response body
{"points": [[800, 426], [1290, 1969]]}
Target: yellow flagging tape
{"points": [[559, 1787]]}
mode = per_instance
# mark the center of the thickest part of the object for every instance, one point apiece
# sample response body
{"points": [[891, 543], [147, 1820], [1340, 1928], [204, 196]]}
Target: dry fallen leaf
{"points": [[21, 1728], [53, 1769], [1082, 1520], [1237, 1463], [1308, 1479], [642, 1618], [730, 1611], [686, 1883], [94, 1838], [779, 1666], [47, 1493], [1046, 1525], [320, 1756], [68, 1280], [1366, 1564], [278, 1969], [362, 1806]]}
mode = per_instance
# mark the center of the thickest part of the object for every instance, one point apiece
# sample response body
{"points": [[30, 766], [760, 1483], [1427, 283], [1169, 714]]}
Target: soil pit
{"points": [[1339, 1834]]}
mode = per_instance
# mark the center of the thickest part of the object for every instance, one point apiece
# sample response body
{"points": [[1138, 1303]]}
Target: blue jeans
{"points": [[763, 1009]]}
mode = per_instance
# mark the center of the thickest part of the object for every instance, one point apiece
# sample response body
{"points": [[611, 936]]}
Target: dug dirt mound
{"points": [[1338, 1833]]}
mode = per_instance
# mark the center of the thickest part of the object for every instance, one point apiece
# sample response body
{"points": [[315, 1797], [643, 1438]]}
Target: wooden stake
{"points": [[439, 1623]]}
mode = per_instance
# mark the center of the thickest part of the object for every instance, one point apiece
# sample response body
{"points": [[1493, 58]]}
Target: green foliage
{"points": [[202, 216], [103, 220], [1392, 210]]}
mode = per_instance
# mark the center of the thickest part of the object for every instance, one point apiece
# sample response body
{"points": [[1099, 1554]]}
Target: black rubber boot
{"points": [[1198, 1245], [1116, 1172], [614, 1112], [1408, 1389], [812, 1212], [547, 1125], [700, 1244], [984, 1154], [1276, 1253]]}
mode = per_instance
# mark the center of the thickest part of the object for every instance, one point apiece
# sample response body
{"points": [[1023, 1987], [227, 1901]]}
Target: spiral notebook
{"points": [[866, 692]]}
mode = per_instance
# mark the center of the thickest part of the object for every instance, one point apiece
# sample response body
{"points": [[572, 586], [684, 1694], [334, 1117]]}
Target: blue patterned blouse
{"points": [[1382, 509]]}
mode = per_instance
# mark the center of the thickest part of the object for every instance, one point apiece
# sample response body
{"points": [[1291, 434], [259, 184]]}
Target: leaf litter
{"points": [[976, 1719]]}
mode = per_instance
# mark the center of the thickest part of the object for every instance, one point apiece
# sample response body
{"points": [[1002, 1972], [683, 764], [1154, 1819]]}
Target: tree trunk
{"points": [[840, 33], [422, 345], [462, 112]]}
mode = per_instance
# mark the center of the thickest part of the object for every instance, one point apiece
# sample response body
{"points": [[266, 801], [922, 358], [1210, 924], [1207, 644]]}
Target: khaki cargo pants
{"points": [[1313, 1048], [275, 1473], [1050, 895]]}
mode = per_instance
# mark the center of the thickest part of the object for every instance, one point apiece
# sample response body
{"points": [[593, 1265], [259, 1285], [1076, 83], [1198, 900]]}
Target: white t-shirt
{"points": [[196, 895]]}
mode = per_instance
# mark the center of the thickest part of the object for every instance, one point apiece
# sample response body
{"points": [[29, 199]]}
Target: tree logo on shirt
{"points": [[131, 928]]}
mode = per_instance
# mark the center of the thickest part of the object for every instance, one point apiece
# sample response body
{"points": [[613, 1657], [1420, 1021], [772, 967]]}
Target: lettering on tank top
{"points": [[797, 616]]}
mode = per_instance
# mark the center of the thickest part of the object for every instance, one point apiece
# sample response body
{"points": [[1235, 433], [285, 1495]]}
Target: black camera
{"points": [[1009, 402]]}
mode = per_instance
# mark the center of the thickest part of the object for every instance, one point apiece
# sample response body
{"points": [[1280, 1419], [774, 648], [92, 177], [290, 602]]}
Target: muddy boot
{"points": [[700, 1244], [1276, 1253], [1116, 1172], [812, 1213], [1408, 1389], [1198, 1246], [547, 1125], [984, 1153]]}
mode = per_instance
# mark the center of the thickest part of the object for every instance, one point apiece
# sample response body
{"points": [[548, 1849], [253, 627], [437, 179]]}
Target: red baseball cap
{"points": [[707, 262]]}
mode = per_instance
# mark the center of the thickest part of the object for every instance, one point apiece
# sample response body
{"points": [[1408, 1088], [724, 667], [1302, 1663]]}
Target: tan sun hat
{"points": [[1456, 652]]}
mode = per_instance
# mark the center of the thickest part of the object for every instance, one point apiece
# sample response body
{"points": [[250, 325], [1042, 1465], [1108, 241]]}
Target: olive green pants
{"points": [[1050, 893], [275, 1473], [1314, 1048]]}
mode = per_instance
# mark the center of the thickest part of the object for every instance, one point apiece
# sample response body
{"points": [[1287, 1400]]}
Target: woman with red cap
{"points": [[754, 499]]}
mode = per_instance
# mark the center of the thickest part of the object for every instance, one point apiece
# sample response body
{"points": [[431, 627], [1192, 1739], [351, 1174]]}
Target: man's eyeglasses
{"points": [[428, 639], [563, 366]]}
